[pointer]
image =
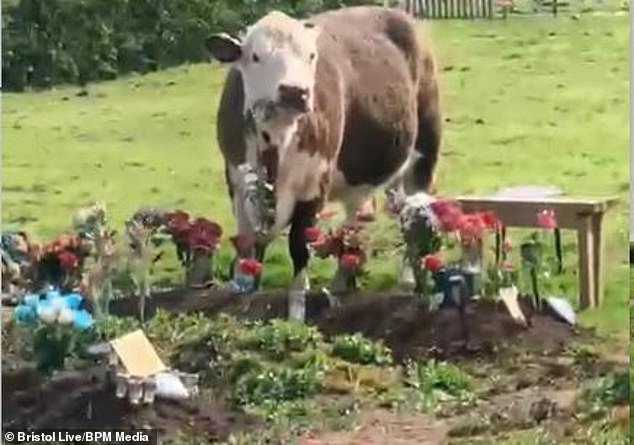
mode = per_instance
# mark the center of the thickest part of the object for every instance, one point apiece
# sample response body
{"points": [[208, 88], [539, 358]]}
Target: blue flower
{"points": [[82, 320], [73, 301], [25, 313]]}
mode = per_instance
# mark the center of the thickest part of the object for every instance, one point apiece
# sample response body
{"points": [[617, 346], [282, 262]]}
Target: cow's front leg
{"points": [[304, 216]]}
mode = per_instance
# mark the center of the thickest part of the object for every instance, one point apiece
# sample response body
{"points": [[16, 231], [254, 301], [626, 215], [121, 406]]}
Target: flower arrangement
{"points": [[18, 255], [196, 242], [61, 262], [91, 226], [347, 245], [55, 319], [430, 226], [145, 237]]}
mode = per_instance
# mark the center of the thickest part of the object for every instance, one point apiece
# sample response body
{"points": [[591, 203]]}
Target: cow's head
{"points": [[277, 58]]}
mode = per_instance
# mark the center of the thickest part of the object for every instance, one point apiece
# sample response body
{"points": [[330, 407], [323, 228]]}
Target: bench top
{"points": [[570, 203]]}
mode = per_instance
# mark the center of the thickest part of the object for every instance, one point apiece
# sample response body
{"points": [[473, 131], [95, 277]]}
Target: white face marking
{"points": [[278, 50]]}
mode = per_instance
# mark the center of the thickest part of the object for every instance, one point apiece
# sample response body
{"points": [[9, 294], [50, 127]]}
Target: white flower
{"points": [[65, 316], [417, 207], [48, 314]]}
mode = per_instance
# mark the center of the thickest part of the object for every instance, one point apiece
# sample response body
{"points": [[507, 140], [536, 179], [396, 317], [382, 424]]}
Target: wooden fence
{"points": [[451, 9]]}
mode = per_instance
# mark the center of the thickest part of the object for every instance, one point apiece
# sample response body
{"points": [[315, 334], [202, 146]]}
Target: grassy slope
{"points": [[528, 101]]}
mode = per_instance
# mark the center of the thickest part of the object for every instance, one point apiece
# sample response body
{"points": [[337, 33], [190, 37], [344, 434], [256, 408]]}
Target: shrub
{"points": [[48, 42], [358, 349], [438, 377], [279, 338]]}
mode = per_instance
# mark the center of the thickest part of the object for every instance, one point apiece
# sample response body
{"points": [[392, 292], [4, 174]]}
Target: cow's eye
{"points": [[255, 58], [266, 136], [312, 56]]}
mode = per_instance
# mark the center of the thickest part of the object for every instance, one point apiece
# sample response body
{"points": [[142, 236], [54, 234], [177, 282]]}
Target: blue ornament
{"points": [[25, 313], [82, 320]]}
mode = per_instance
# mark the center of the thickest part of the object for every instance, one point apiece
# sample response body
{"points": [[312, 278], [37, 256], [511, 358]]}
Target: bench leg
{"points": [[586, 247], [597, 233]]}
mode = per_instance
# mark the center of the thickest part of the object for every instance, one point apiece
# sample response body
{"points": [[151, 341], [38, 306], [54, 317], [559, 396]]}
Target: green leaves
{"points": [[358, 349]]}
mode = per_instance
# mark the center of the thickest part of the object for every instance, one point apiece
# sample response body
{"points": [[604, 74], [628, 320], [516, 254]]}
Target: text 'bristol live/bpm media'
{"points": [[81, 436]]}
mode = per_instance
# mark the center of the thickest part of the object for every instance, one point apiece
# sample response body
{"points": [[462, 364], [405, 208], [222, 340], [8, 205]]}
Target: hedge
{"points": [[49, 42]]}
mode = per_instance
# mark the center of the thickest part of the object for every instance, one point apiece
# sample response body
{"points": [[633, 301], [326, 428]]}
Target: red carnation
{"points": [[203, 234], [178, 222], [470, 228], [490, 220], [350, 261], [432, 263], [312, 234], [546, 219], [250, 267], [68, 260], [448, 214]]}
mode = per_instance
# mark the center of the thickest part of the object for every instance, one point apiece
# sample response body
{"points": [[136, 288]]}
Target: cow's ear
{"points": [[224, 48]]}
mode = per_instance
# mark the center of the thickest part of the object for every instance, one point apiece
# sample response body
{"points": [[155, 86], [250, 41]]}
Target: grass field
{"points": [[527, 101]]}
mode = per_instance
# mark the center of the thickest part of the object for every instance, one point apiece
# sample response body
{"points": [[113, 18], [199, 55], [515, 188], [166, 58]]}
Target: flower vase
{"points": [[471, 264], [343, 282], [198, 272], [297, 306], [407, 276], [242, 282], [50, 348]]}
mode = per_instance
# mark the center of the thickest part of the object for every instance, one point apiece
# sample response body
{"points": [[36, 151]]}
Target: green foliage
{"points": [[358, 349], [111, 327], [279, 338], [437, 380], [611, 391], [47, 42]]}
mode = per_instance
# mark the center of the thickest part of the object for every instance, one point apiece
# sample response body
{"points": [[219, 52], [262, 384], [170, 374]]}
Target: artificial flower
{"points": [[312, 234], [470, 228], [203, 234], [432, 263], [68, 260], [350, 261], [82, 320], [490, 220], [507, 246], [546, 219], [448, 213], [250, 267], [24, 313], [65, 316], [178, 222], [47, 313]]}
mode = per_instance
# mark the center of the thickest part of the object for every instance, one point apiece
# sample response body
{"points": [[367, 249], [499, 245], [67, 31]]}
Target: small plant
{"points": [[57, 322], [347, 245], [196, 242], [279, 338], [438, 381], [110, 327], [358, 349], [613, 390]]}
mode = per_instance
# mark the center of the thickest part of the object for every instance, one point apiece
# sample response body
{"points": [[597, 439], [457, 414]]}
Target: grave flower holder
{"points": [[199, 268]]}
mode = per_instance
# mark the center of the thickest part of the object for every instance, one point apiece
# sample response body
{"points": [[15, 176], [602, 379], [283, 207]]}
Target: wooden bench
{"points": [[583, 215]]}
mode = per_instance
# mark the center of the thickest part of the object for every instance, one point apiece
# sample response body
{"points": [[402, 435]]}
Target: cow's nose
{"points": [[294, 96]]}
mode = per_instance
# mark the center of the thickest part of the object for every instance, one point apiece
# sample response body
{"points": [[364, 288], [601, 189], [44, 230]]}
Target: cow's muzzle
{"points": [[294, 97]]}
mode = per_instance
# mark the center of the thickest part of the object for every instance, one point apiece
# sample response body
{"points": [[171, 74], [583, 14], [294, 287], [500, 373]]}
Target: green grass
{"points": [[528, 100]]}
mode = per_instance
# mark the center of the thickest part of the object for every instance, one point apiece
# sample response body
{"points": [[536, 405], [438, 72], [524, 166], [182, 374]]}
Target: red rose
{"points": [[68, 260], [350, 261], [507, 246], [490, 220], [448, 214], [432, 263], [546, 219], [312, 234], [250, 267]]}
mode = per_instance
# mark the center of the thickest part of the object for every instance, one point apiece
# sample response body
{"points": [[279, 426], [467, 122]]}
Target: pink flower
{"points": [[350, 261], [432, 263], [470, 228], [490, 220], [250, 267], [546, 219], [178, 223], [507, 246], [203, 234]]}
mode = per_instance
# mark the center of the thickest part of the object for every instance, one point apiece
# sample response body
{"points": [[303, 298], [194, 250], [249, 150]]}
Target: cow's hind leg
{"points": [[304, 216]]}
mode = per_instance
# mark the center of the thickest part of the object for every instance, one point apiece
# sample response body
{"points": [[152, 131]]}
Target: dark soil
{"points": [[401, 321], [83, 399]]}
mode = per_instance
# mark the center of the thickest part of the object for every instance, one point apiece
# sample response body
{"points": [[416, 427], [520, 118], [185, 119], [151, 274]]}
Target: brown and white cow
{"points": [[333, 107]]}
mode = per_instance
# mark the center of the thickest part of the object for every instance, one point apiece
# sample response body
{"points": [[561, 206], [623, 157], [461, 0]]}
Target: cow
{"points": [[333, 108]]}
